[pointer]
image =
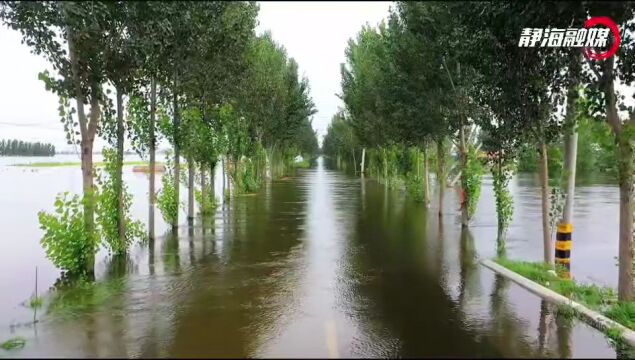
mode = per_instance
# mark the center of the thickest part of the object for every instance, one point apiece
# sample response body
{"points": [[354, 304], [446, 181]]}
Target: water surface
{"points": [[320, 265]]}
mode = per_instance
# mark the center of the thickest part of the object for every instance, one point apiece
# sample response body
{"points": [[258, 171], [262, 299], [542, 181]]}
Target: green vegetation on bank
{"points": [[601, 299]]}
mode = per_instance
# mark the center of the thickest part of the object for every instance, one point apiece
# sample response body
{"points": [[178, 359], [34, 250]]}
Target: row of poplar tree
{"points": [[444, 74], [193, 73], [24, 148]]}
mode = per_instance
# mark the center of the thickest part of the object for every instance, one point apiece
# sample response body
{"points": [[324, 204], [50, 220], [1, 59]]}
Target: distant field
{"points": [[77, 163]]}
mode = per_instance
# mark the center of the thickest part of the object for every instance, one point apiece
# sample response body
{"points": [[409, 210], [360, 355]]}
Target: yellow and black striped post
{"points": [[563, 248]]}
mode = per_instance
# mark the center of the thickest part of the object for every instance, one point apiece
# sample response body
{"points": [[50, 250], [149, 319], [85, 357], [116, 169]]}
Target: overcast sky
{"points": [[314, 33]]}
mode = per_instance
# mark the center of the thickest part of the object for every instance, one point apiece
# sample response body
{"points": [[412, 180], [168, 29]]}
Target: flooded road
{"points": [[320, 265]]}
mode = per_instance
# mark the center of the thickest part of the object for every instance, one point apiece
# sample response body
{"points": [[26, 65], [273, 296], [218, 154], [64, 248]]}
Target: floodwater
{"points": [[320, 265]]}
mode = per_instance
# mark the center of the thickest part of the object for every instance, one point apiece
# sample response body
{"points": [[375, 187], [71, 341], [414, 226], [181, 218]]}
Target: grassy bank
{"points": [[601, 299], [77, 163]]}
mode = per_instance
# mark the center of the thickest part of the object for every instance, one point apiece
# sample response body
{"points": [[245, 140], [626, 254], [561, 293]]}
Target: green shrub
{"points": [[167, 202], [208, 204], [66, 241], [504, 199], [107, 209], [473, 178], [250, 180], [415, 187]]}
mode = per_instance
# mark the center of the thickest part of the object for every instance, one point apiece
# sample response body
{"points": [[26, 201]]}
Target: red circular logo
{"points": [[608, 22]]}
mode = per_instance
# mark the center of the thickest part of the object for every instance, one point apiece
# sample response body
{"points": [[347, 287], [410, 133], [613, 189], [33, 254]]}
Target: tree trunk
{"points": [[203, 189], [544, 180], [177, 166], [222, 165], [354, 163], [417, 160], [498, 189], [212, 178], [89, 199], [268, 173], [151, 189], [190, 191], [426, 183], [465, 216], [228, 177], [121, 223], [625, 161], [88, 128], [625, 174], [570, 156], [385, 167], [441, 173], [363, 160]]}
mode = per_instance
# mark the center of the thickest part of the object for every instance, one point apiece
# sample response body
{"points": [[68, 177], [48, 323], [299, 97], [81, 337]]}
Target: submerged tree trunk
{"points": [[465, 216], [544, 182], [203, 189], [121, 223], [354, 163], [212, 178], [190, 191], [426, 182], [151, 190], [502, 195], [177, 166], [222, 165], [228, 175], [363, 160], [89, 198], [625, 161], [498, 189], [88, 129], [385, 167], [441, 172]]}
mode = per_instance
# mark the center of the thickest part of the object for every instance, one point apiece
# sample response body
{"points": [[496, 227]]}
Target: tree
{"points": [[607, 102], [48, 27]]}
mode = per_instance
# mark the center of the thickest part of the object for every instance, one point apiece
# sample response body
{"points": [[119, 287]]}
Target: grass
{"points": [[623, 313], [13, 344], [614, 334], [83, 296], [601, 299], [566, 311], [76, 163]]}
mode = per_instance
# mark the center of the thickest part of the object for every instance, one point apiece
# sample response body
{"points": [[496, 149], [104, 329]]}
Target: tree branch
{"points": [[449, 75]]}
